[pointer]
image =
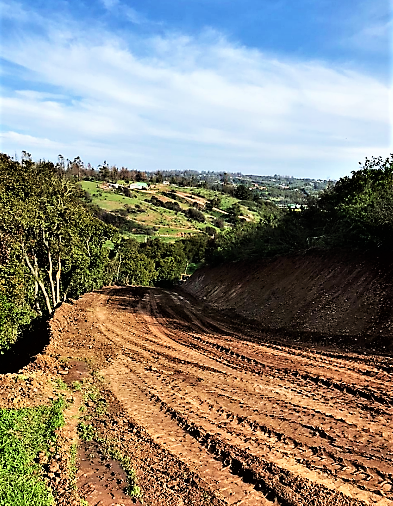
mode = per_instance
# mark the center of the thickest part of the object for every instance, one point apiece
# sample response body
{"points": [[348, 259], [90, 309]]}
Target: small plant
{"points": [[86, 432], [61, 384], [101, 407], [26, 435], [134, 491], [77, 386], [92, 394]]}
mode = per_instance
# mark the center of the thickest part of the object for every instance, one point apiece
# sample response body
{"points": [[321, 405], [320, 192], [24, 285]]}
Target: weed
{"points": [[84, 503], [25, 433], [91, 394], [60, 384], [77, 386], [86, 432], [101, 407], [21, 377]]}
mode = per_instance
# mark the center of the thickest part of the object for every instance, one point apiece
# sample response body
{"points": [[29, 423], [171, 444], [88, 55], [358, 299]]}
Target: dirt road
{"points": [[224, 415]]}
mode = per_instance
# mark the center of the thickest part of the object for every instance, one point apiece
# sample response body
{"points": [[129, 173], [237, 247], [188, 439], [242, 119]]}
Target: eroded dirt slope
{"points": [[332, 297], [212, 412]]}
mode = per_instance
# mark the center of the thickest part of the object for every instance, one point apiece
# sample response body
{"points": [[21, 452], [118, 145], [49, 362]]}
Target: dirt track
{"points": [[252, 422]]}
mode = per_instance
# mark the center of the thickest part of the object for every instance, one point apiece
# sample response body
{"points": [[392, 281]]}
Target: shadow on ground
{"points": [[32, 342]]}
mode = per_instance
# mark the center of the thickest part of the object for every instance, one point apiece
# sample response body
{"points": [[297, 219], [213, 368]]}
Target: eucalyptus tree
{"points": [[54, 246]]}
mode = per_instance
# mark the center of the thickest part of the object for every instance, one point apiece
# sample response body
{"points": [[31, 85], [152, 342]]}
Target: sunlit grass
{"points": [[24, 433]]}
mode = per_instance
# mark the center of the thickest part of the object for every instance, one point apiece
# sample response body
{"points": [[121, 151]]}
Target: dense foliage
{"points": [[53, 246], [357, 212]]}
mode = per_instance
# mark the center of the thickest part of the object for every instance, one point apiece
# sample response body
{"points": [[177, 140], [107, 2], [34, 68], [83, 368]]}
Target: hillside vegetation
{"points": [[171, 212], [61, 236], [54, 246], [357, 212]]}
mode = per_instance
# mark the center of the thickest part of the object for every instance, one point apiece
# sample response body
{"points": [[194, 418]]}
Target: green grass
{"points": [[24, 433], [168, 224], [108, 199]]}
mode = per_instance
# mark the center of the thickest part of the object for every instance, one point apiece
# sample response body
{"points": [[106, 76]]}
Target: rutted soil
{"points": [[212, 410]]}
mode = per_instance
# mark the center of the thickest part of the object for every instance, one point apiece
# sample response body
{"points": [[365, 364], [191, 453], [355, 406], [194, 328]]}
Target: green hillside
{"points": [[194, 210]]}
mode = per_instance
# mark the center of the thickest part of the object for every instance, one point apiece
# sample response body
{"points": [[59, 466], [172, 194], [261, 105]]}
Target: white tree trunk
{"points": [[35, 273], [58, 274]]}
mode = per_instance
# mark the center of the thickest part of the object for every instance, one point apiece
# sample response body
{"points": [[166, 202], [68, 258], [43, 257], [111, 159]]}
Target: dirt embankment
{"points": [[330, 297]]}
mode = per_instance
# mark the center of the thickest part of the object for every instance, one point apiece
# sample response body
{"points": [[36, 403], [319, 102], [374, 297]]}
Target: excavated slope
{"points": [[331, 297]]}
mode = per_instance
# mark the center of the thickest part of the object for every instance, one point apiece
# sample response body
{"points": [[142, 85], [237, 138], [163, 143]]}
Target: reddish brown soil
{"points": [[338, 298], [213, 411]]}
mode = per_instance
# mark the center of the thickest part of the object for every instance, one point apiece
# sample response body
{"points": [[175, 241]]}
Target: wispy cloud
{"points": [[376, 37], [189, 102], [369, 29], [121, 9], [110, 4]]}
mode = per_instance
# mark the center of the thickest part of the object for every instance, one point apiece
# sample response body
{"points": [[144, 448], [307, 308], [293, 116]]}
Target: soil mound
{"points": [[335, 297]]}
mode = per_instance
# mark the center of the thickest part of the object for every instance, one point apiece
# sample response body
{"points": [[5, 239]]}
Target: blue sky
{"points": [[297, 87]]}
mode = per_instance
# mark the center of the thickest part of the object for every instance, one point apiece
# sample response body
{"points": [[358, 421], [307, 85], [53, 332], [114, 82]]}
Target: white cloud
{"points": [[198, 103], [110, 4], [375, 37], [123, 10]]}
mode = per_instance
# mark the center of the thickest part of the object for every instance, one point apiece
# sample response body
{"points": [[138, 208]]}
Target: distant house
{"points": [[138, 186]]}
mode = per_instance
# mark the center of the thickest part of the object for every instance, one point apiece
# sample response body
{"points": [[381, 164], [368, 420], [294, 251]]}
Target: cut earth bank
{"points": [[328, 298]]}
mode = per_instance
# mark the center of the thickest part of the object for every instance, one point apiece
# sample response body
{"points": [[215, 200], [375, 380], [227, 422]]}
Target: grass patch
{"points": [[24, 433]]}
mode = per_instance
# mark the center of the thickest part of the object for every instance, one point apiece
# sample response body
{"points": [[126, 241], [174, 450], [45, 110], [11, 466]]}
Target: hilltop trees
{"points": [[358, 209], [357, 212]]}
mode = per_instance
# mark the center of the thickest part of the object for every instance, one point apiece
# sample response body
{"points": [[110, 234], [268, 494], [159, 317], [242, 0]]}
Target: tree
{"points": [[58, 243], [358, 209], [243, 193]]}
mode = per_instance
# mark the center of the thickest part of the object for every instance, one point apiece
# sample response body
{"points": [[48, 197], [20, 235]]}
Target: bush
{"points": [[194, 214]]}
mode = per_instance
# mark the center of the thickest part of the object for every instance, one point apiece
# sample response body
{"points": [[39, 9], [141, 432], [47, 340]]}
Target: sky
{"points": [[290, 87]]}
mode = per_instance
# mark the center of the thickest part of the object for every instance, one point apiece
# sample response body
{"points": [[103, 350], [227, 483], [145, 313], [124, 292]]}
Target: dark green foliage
{"points": [[211, 231], [51, 246], [357, 212], [195, 214], [170, 204], [243, 193], [233, 213], [155, 262], [219, 223], [12, 318], [131, 267], [194, 248], [120, 221], [169, 258]]}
